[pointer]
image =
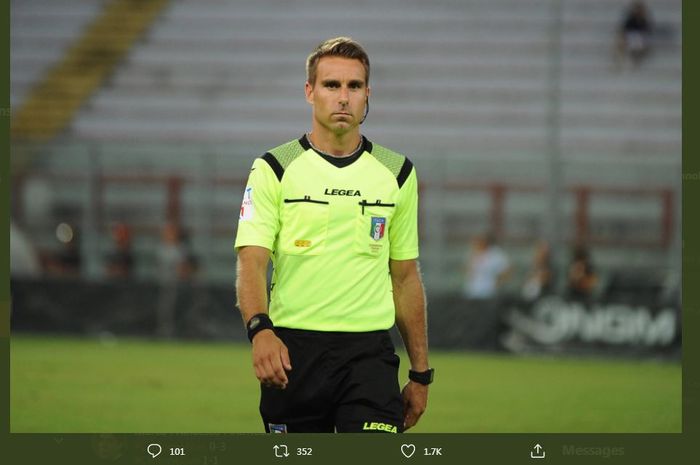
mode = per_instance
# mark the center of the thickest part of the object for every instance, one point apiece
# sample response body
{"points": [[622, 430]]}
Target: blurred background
{"points": [[546, 135]]}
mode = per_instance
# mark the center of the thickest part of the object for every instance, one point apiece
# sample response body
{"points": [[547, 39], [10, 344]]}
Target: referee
{"points": [[337, 214]]}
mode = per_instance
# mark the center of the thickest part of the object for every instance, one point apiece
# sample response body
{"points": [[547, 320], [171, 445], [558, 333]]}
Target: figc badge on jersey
{"points": [[376, 231], [247, 205]]}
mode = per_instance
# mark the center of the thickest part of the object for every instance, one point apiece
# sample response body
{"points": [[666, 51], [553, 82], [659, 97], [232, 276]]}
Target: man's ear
{"points": [[309, 91]]}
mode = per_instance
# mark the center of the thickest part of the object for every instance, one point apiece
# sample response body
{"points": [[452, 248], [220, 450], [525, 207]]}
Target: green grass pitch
{"points": [[61, 384]]}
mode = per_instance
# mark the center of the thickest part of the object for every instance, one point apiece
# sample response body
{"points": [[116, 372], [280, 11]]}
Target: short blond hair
{"points": [[336, 47]]}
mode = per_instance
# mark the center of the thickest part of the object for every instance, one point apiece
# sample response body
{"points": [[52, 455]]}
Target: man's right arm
{"points": [[258, 225], [270, 355]]}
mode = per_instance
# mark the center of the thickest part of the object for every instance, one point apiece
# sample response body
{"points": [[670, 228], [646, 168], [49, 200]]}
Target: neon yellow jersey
{"points": [[332, 226]]}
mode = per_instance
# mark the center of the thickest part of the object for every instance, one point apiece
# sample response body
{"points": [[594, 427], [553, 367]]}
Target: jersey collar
{"points": [[365, 146]]}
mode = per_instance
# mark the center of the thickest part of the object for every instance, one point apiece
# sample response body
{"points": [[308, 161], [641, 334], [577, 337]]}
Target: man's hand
{"points": [[270, 359], [415, 400]]}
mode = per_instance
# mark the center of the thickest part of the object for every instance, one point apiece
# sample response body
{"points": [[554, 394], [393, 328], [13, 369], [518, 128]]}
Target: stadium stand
{"points": [[52, 102], [41, 33], [477, 93]]}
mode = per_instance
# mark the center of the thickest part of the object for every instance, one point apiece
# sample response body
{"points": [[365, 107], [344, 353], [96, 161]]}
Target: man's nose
{"points": [[344, 96]]}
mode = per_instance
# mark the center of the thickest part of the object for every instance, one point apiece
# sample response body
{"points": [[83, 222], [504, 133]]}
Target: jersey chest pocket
{"points": [[304, 226], [372, 228]]}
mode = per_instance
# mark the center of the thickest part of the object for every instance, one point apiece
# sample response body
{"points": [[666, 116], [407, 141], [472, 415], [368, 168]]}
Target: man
{"points": [[635, 33], [338, 216], [488, 268]]}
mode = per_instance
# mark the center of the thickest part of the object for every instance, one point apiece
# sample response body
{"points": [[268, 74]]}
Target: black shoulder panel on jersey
{"points": [[274, 164], [405, 172]]}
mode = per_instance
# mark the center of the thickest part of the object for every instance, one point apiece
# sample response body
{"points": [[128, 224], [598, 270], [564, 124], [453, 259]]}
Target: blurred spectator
{"points": [[634, 34], [67, 261], [172, 267], [582, 279], [540, 277], [24, 260], [120, 262], [171, 253], [190, 265], [176, 260], [488, 268]]}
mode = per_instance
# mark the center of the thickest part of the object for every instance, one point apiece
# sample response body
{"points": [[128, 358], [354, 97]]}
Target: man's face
{"points": [[339, 94]]}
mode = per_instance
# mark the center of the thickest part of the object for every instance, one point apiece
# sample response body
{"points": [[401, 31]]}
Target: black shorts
{"points": [[344, 382]]}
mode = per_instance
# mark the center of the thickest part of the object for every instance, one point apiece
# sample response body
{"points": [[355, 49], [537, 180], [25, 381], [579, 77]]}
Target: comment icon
{"points": [[154, 450]]}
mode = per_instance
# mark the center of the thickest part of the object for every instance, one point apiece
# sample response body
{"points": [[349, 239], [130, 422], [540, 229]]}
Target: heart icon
{"points": [[408, 450]]}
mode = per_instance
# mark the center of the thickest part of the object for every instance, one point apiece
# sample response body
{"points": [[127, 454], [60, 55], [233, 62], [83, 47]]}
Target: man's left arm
{"points": [[409, 301]]}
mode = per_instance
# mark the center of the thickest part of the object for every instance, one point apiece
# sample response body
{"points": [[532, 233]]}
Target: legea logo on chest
{"points": [[345, 192]]}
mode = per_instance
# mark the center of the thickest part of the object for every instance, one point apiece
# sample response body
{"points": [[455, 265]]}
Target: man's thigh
{"points": [[305, 406], [369, 400]]}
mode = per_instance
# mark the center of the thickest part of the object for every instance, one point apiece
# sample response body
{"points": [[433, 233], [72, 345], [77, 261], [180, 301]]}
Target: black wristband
{"points": [[257, 323], [422, 377]]}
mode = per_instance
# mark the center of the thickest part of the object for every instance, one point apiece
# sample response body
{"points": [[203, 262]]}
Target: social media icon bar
{"points": [[154, 450], [408, 450], [281, 450], [537, 452]]}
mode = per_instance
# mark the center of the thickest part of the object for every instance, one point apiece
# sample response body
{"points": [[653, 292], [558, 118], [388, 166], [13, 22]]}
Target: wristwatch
{"points": [[422, 377]]}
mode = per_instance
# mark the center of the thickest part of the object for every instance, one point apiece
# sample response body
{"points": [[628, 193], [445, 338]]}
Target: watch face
{"points": [[254, 322]]}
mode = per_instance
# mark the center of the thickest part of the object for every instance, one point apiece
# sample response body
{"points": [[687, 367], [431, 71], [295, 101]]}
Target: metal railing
{"points": [[78, 183]]}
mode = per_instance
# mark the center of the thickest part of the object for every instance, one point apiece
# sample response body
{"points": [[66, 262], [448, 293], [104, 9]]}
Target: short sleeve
{"points": [[403, 230], [258, 221]]}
